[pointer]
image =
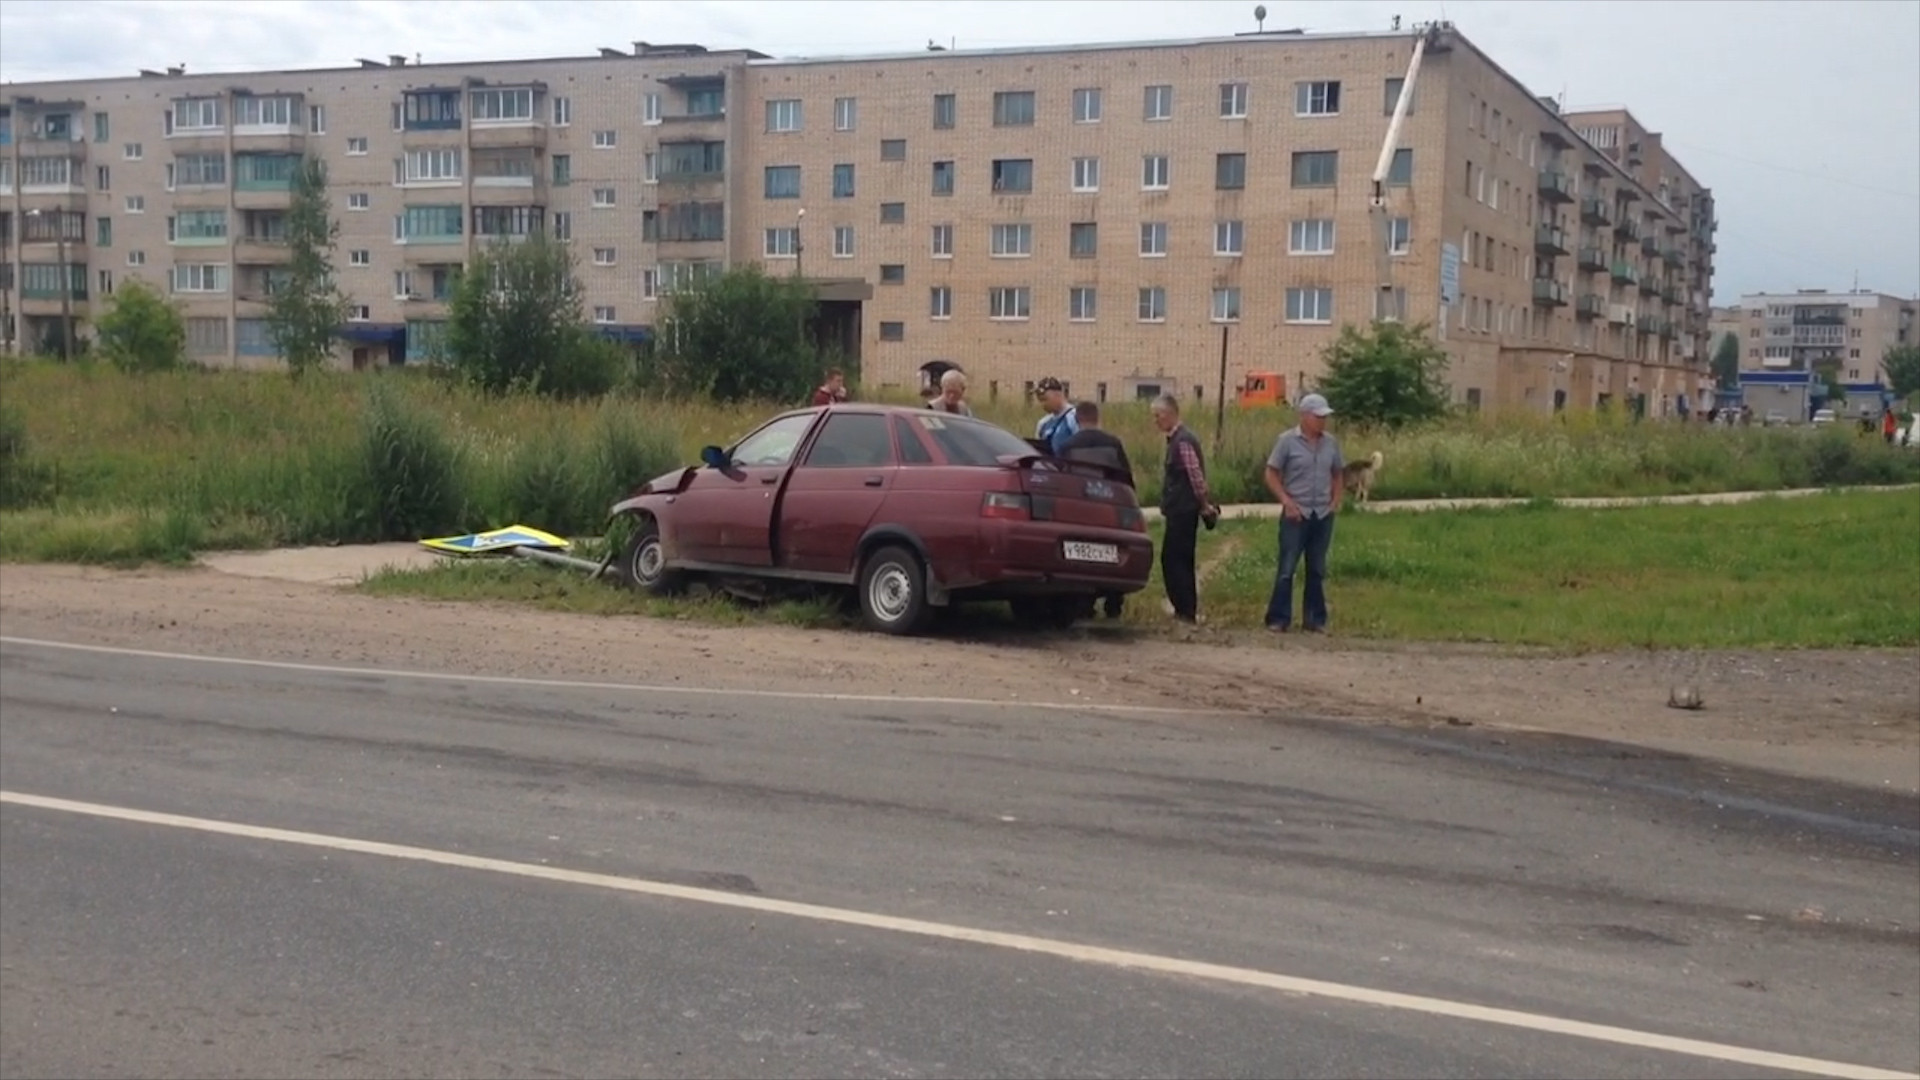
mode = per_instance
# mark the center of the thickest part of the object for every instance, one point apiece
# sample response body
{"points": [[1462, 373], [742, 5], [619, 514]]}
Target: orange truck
{"points": [[1263, 390]]}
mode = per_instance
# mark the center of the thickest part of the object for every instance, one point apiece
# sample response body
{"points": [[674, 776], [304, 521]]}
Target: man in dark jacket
{"points": [[1096, 445], [1184, 502]]}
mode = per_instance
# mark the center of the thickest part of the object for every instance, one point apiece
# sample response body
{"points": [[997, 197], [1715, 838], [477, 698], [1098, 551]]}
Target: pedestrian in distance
{"points": [[953, 394], [834, 390], [1059, 424], [1307, 475], [1096, 445], [1185, 503]]}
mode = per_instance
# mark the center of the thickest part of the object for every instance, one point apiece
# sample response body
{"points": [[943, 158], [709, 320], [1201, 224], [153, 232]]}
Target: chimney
{"points": [[366, 63], [177, 71], [610, 53], [396, 60]]}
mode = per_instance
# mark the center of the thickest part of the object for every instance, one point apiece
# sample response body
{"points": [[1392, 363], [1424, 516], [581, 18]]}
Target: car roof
{"points": [[877, 408]]}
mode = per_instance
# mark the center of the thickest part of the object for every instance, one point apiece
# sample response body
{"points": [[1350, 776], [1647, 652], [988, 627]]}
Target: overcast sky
{"points": [[1802, 115]]}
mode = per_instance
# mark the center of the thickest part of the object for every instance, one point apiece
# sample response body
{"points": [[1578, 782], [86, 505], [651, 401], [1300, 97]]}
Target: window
{"points": [[649, 283], [1086, 174], [1012, 240], [1233, 101], [430, 225], [196, 114], [103, 232], [943, 178], [604, 256], [1153, 304], [1082, 303], [133, 151], [206, 336], [1009, 303], [602, 314], [843, 181], [1013, 175], [1394, 86], [50, 172], [1316, 98], [783, 182], [102, 178], [783, 115], [402, 284], [101, 130], [1083, 240], [506, 106], [912, 450], [360, 257], [1226, 305], [1159, 103], [515, 221], [136, 204], [943, 111], [428, 167], [1013, 108], [1400, 172], [603, 197], [1315, 168], [1310, 305], [1311, 237], [563, 169], [773, 445], [891, 331], [562, 226], [943, 241], [197, 226], [940, 302], [360, 313], [136, 258], [359, 200], [605, 140], [1086, 106], [1229, 171], [562, 111], [1399, 236], [893, 274], [1153, 238], [200, 278], [1155, 172], [846, 112], [782, 242], [709, 100], [843, 241], [1229, 237], [855, 440], [316, 119], [650, 167], [650, 111], [893, 149], [262, 112], [357, 146], [893, 213], [200, 170]]}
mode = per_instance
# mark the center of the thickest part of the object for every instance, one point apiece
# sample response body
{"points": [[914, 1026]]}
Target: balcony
{"points": [[260, 251], [1625, 273], [1549, 293], [1648, 324], [530, 136], [1673, 257], [1621, 314], [1555, 186], [1667, 329], [1627, 229], [1649, 244], [1595, 211], [1673, 294], [1590, 306], [1592, 258], [429, 109], [1550, 240], [1649, 285]]}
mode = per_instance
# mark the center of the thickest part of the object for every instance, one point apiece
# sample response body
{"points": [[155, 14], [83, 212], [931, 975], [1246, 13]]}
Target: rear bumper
{"points": [[1028, 559]]}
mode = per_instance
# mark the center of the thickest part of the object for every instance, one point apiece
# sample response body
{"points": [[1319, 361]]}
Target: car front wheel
{"points": [[643, 565], [893, 591]]}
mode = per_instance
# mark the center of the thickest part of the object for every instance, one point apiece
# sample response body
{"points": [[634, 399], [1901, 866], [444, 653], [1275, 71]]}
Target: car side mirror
{"points": [[714, 457]]}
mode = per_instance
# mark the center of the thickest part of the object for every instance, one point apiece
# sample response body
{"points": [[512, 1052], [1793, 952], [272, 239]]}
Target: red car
{"points": [[916, 510]]}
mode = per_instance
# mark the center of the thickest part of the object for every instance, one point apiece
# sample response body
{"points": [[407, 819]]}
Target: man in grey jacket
{"points": [[1306, 474]]}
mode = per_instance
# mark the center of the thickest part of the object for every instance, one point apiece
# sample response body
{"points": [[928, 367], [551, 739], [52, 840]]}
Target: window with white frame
{"points": [[1009, 302], [1086, 106], [1399, 236], [136, 204], [48, 172], [603, 197], [1013, 108], [562, 111], [196, 114], [650, 111], [603, 314], [605, 140], [262, 112], [200, 278], [604, 256], [650, 283], [1159, 103], [782, 242], [1153, 304], [437, 166], [1316, 98], [1086, 174], [360, 257], [316, 119], [1012, 241], [1082, 303], [510, 105], [650, 167], [402, 284], [133, 151], [136, 258], [1309, 305], [843, 241], [358, 200], [1226, 304], [562, 226], [1313, 236], [1233, 101], [1229, 237], [940, 302], [1155, 171], [200, 170], [942, 242], [360, 313], [1153, 239], [783, 115], [846, 113], [357, 146]]}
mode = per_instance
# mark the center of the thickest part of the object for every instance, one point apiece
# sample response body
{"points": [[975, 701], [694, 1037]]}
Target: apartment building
{"points": [[1105, 214], [183, 181], [1813, 328]]}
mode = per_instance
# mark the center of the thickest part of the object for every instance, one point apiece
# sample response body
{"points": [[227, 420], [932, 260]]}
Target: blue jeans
{"points": [[1310, 536]]}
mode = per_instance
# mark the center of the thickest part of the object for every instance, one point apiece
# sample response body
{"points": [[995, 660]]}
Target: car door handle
{"points": [[774, 479], [875, 481]]}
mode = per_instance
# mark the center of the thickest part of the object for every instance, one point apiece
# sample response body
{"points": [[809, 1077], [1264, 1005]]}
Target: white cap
{"points": [[1315, 405]]}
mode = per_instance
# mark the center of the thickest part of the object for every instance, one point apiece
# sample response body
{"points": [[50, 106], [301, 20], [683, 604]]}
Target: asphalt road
{"points": [[597, 883]]}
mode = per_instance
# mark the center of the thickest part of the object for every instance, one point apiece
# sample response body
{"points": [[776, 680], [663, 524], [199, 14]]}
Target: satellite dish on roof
{"points": [[1260, 16]]}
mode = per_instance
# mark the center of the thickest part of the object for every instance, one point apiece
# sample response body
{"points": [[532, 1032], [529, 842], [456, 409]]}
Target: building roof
{"points": [[935, 51]]}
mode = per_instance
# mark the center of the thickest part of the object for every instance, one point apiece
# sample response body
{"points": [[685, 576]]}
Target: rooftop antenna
{"points": [[1396, 22], [1260, 18]]}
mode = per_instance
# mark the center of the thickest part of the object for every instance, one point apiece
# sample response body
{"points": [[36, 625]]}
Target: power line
{"points": [[1822, 177]]}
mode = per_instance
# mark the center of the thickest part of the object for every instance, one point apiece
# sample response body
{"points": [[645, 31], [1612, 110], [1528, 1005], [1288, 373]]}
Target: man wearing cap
{"points": [[1305, 473], [1060, 424]]}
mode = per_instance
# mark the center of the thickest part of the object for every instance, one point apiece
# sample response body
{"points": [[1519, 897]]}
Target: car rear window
{"points": [[971, 442]]}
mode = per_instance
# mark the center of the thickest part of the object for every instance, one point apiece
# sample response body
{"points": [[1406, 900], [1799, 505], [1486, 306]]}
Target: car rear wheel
{"points": [[643, 565], [893, 591]]}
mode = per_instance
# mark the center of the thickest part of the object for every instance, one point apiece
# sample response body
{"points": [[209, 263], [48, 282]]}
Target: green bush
{"points": [[411, 471]]}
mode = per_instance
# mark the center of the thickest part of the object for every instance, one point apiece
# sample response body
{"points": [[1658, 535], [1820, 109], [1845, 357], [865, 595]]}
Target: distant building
{"points": [[1787, 337]]}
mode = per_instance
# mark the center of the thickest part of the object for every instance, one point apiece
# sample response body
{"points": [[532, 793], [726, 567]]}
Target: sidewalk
{"points": [[1272, 510]]}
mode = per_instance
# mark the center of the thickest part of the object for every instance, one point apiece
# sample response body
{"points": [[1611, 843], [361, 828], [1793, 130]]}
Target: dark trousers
{"points": [[1176, 563], [1310, 536]]}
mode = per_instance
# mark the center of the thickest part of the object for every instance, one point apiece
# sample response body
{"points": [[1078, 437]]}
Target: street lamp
{"points": [[799, 245], [66, 285]]}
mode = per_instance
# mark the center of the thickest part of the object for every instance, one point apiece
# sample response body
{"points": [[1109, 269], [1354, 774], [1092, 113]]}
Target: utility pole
{"points": [[66, 281], [1220, 397], [799, 242]]}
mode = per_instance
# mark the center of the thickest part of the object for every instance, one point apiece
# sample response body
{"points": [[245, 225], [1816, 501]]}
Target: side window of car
{"points": [[773, 446], [912, 450], [852, 441]]}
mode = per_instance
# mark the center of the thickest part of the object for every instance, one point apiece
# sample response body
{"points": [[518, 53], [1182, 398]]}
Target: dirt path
{"points": [[1851, 716]]}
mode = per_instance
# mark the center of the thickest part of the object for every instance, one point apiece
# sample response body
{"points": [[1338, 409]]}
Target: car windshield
{"points": [[972, 442]]}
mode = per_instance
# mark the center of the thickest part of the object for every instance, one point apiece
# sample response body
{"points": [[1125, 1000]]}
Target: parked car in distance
{"points": [[913, 509], [1775, 416], [1822, 417]]}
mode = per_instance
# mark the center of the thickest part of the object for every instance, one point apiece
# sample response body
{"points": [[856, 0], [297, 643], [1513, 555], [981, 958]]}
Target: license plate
{"points": [[1079, 551], [1099, 489]]}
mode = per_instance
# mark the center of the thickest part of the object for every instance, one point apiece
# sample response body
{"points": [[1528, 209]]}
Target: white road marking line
{"points": [[639, 688], [1091, 954]]}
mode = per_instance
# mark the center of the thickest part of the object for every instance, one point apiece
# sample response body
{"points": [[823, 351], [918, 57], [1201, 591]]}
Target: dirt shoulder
{"points": [[1851, 716]]}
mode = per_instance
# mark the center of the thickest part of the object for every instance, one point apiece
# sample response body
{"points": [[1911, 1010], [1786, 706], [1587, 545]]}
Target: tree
{"points": [[738, 335], [515, 323], [1726, 363], [1828, 372], [305, 312], [142, 330], [1902, 365], [1390, 374]]}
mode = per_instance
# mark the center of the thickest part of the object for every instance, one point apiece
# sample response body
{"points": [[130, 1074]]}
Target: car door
{"points": [[835, 493], [726, 515]]}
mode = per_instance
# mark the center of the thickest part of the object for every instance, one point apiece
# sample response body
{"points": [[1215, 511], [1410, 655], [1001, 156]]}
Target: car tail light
{"points": [[1133, 519], [1007, 506]]}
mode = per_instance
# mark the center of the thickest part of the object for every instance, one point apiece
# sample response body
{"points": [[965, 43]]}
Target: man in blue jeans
{"points": [[1305, 472]]}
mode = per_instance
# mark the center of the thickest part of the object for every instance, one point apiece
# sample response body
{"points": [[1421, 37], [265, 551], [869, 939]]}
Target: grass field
{"points": [[100, 466], [1830, 571]]}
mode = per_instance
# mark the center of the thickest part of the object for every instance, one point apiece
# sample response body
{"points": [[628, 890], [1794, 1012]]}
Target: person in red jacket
{"points": [[834, 390]]}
